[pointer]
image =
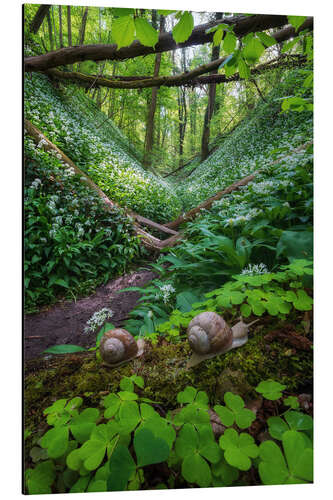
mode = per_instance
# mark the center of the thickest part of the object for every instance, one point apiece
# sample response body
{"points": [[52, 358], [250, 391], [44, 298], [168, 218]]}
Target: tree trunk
{"points": [[50, 29], [54, 27], [83, 26], [69, 26], [39, 18], [211, 103], [61, 41], [149, 138]]}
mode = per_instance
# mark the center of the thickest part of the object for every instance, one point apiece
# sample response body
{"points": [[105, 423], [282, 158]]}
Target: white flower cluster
{"points": [[166, 292], [97, 319], [41, 142], [36, 184], [253, 269]]}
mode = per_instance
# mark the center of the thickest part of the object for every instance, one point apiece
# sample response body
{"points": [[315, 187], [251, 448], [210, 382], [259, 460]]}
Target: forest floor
{"points": [[64, 322]]}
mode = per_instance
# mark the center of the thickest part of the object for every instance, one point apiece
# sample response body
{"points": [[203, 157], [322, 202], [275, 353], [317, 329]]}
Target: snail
{"points": [[209, 336], [118, 346]]}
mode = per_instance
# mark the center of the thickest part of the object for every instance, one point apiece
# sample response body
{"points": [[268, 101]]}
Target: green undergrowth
{"points": [[164, 368], [249, 147], [73, 122], [93, 449]]}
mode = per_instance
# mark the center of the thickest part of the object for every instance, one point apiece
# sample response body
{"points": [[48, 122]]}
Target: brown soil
{"points": [[64, 323]]}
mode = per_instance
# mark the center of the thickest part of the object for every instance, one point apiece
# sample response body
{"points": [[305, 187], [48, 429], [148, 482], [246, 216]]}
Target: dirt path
{"points": [[64, 323]]}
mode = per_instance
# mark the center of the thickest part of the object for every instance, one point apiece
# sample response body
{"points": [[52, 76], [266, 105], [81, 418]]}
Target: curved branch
{"points": [[199, 36], [191, 78]]}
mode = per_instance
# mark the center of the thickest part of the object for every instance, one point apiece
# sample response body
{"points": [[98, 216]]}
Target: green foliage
{"points": [[274, 293], [88, 452], [183, 28]]}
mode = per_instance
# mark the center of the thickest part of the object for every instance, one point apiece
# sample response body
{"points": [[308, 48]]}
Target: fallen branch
{"points": [[190, 78], [242, 26], [147, 239]]}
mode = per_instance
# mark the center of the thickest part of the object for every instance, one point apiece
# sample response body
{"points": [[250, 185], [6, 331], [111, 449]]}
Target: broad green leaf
{"points": [[74, 460], [225, 472], [149, 449], [299, 458], [92, 453], [243, 69], [187, 441], [233, 401], [244, 418], [184, 301], [299, 421], [82, 425], [64, 349], [97, 486], [165, 12], [253, 50], [80, 485], [267, 40], [127, 396], [291, 401], [196, 470], [296, 21], [40, 479], [112, 404], [217, 37], [270, 389], [277, 427], [187, 395], [56, 441], [183, 29], [226, 415], [129, 415], [161, 429], [123, 30], [121, 466], [272, 468], [245, 310], [303, 301], [145, 33], [236, 458], [229, 43]]}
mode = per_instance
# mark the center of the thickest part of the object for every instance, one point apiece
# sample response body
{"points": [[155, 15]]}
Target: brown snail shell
{"points": [[209, 335], [119, 346]]}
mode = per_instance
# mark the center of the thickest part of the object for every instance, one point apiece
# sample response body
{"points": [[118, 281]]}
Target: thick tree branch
{"points": [[199, 36], [190, 78]]}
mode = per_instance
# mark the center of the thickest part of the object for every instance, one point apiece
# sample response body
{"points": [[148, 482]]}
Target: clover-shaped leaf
{"points": [[303, 301], [234, 411], [56, 441], [270, 389], [225, 473], [239, 448], [187, 395], [40, 479], [121, 467], [187, 441], [82, 425], [149, 449], [196, 470], [296, 468], [277, 427], [112, 404], [160, 428], [291, 401], [299, 421]]}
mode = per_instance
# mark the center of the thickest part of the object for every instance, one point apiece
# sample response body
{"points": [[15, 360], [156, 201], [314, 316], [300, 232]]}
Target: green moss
{"points": [[163, 368]]}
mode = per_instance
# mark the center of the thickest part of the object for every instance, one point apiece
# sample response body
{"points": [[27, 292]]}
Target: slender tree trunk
{"points": [[39, 18], [211, 103], [112, 93], [61, 41], [149, 138], [50, 30], [182, 110], [82, 31], [54, 28], [83, 26], [69, 26]]}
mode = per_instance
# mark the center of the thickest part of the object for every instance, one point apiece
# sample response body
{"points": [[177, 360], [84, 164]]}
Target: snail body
{"points": [[209, 335], [118, 346]]}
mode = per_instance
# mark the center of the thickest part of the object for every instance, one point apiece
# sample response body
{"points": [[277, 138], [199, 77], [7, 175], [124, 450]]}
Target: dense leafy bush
{"points": [[111, 449], [71, 242], [68, 119]]}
